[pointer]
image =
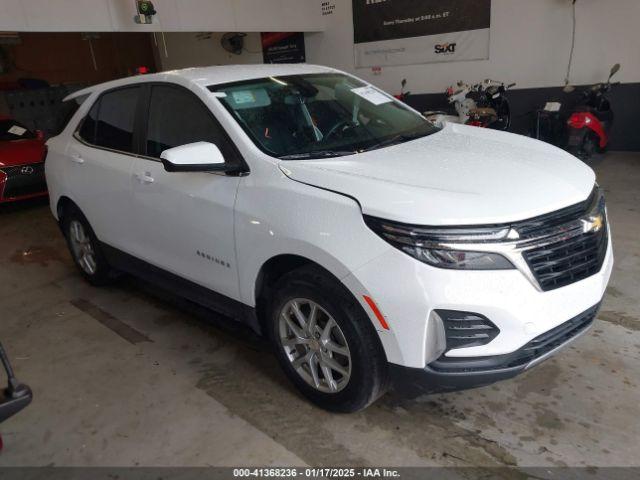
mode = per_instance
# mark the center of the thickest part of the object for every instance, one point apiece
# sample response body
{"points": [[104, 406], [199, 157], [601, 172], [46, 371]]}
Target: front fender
{"points": [[290, 218]]}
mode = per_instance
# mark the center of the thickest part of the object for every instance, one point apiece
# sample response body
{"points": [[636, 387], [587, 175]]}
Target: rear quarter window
{"points": [[110, 121], [87, 131]]}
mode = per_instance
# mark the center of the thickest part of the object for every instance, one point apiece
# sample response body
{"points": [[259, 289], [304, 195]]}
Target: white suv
{"points": [[369, 246]]}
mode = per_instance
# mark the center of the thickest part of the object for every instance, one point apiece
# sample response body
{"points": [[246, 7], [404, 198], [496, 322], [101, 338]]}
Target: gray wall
{"points": [[530, 44]]}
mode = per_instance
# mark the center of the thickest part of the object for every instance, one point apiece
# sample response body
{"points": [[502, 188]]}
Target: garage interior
{"points": [[128, 376]]}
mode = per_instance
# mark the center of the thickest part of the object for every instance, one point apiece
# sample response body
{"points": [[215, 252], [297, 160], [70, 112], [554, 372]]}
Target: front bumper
{"points": [[450, 373], [407, 293]]}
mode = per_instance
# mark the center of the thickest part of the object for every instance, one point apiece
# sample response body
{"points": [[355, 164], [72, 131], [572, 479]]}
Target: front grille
{"points": [[535, 349], [572, 254], [21, 182], [564, 263]]}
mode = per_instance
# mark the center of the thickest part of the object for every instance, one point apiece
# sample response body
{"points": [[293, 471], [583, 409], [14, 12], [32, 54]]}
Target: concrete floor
{"points": [[163, 386]]}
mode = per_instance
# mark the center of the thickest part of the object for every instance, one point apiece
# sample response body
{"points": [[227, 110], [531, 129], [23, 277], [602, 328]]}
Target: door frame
{"points": [[143, 119]]}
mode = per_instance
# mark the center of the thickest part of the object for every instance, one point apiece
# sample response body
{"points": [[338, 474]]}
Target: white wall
{"points": [[173, 15], [196, 50], [530, 43]]}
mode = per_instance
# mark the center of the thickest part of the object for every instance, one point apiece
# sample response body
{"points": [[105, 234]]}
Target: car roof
{"points": [[207, 76]]}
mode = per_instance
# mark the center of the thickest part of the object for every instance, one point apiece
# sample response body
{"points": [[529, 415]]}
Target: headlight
{"points": [[430, 245]]}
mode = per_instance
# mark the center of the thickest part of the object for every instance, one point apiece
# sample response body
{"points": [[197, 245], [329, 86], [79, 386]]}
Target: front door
{"points": [[185, 220]]}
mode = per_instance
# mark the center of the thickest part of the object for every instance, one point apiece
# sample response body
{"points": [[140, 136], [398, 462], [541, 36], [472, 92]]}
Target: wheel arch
{"points": [[268, 275], [62, 206], [274, 269]]}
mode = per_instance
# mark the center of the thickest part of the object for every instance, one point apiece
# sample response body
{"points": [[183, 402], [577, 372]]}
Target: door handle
{"points": [[145, 178], [77, 158]]}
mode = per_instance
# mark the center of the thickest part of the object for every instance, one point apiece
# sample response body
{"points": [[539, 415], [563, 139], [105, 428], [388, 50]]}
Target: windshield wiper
{"points": [[403, 137], [318, 154]]}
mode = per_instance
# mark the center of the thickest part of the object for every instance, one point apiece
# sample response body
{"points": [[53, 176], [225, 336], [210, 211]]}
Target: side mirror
{"points": [[615, 69], [194, 157]]}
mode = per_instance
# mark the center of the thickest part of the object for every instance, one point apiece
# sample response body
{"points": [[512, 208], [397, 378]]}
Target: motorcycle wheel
{"points": [[503, 110], [600, 149], [585, 150]]}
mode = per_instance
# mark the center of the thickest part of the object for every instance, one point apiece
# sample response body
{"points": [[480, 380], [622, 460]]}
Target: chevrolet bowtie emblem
{"points": [[513, 234], [593, 223]]}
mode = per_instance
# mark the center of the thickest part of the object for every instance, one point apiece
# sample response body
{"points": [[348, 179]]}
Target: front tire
{"points": [[85, 248], [325, 342]]}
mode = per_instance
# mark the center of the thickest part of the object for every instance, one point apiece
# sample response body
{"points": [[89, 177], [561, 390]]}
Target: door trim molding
{"points": [[182, 287]]}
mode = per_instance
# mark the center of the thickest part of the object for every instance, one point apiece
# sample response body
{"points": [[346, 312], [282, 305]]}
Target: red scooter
{"points": [[590, 123], [402, 96]]}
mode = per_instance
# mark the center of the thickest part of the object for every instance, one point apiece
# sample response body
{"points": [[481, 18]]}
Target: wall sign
{"points": [[328, 7], [403, 32], [283, 47]]}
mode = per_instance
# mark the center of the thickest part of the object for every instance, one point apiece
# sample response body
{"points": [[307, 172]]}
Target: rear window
{"points": [[116, 117], [110, 122], [11, 130]]}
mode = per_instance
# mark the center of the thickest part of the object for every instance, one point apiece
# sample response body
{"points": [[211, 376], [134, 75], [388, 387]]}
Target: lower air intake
{"points": [[466, 329]]}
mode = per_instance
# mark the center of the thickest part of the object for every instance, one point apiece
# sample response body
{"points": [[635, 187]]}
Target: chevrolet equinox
{"points": [[371, 248]]}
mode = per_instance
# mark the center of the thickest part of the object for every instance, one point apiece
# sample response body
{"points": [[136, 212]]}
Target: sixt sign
{"points": [[445, 48]]}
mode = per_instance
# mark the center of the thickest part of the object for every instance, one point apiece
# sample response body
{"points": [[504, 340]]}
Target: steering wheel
{"points": [[339, 127]]}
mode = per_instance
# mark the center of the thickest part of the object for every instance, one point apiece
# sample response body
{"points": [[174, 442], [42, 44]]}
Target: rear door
{"points": [[101, 155], [184, 220]]}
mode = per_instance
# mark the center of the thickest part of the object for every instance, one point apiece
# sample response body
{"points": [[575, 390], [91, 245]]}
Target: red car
{"points": [[22, 155]]}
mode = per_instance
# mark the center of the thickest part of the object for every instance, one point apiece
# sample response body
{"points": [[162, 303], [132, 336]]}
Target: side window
{"points": [[178, 117], [116, 118], [88, 129]]}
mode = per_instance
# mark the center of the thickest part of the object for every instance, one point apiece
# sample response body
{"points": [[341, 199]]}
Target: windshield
{"points": [[12, 130], [319, 115]]}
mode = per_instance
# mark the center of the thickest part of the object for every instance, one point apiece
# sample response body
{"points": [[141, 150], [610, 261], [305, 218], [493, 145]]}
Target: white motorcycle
{"points": [[457, 95], [480, 105]]}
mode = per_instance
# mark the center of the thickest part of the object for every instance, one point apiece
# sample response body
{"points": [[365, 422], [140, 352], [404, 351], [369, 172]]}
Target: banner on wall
{"points": [[283, 47], [404, 32]]}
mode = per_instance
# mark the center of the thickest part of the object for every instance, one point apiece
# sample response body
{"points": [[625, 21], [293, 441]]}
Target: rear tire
{"points": [[600, 149], [503, 112], [584, 151], [325, 342], [85, 248], [589, 146]]}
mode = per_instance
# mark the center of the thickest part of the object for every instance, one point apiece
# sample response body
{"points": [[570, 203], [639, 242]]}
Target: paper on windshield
{"points": [[552, 106], [243, 96], [16, 130], [371, 95]]}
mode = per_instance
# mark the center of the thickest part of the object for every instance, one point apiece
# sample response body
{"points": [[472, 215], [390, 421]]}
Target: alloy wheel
{"points": [[82, 248], [315, 345]]}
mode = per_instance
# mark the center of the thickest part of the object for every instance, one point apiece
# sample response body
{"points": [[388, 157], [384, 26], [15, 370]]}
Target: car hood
{"points": [[21, 152], [460, 175]]}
